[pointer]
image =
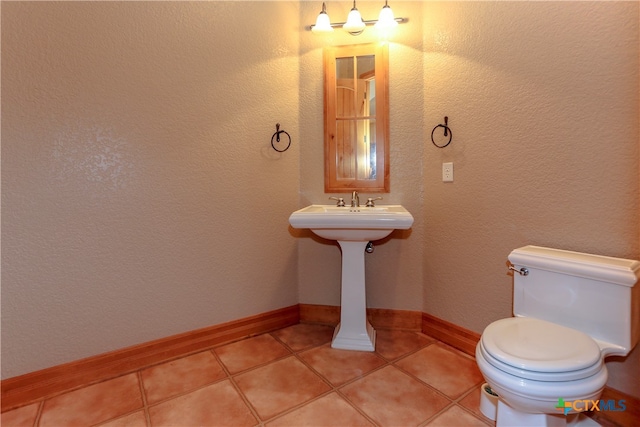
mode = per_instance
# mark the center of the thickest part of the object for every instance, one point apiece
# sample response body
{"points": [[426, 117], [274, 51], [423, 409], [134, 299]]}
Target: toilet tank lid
{"points": [[614, 270]]}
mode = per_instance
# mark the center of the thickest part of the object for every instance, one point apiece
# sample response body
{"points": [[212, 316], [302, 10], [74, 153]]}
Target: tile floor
{"points": [[290, 377]]}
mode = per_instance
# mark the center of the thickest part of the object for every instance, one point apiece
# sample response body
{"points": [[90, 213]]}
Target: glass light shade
{"points": [[386, 20], [323, 23], [354, 25]]}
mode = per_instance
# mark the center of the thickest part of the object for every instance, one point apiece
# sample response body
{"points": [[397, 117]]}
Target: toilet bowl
{"points": [[531, 363], [572, 310]]}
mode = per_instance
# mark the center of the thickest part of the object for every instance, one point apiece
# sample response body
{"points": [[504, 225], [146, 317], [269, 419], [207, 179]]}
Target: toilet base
{"points": [[509, 417]]}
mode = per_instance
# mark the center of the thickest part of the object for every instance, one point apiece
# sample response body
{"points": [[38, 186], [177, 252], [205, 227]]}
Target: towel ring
{"points": [[277, 139], [447, 132]]}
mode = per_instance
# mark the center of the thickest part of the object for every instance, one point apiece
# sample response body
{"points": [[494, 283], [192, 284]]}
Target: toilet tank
{"points": [[591, 293]]}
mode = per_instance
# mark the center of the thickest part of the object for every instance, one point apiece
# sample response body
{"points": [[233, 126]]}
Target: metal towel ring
{"points": [[447, 132], [277, 138]]}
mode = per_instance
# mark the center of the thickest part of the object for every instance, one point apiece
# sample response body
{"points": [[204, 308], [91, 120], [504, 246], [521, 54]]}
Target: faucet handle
{"points": [[371, 201], [340, 201]]}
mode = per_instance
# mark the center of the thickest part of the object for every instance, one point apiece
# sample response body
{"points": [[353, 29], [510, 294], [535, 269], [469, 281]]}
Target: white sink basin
{"points": [[352, 224]]}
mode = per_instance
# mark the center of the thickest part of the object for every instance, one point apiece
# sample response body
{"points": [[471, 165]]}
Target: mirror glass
{"points": [[356, 118]]}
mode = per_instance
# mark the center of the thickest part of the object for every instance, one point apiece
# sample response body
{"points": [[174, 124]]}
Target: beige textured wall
{"points": [[140, 194], [543, 101]]}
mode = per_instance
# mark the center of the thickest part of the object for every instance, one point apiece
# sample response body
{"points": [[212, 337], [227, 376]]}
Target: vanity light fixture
{"points": [[355, 25]]}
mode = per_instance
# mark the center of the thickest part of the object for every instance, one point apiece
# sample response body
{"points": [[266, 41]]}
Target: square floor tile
{"points": [[280, 386], [304, 335], [217, 404], [331, 410], [93, 404], [443, 368], [251, 352], [181, 375], [340, 366], [392, 344], [393, 398]]}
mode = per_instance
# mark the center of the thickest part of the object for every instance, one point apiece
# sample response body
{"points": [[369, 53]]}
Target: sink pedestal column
{"points": [[353, 332]]}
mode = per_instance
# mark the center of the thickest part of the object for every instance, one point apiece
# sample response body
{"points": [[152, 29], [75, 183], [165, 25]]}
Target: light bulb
{"points": [[323, 23], [386, 20], [354, 25]]}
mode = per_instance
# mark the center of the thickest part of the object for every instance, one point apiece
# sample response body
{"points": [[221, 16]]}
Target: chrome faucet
{"points": [[355, 200]]}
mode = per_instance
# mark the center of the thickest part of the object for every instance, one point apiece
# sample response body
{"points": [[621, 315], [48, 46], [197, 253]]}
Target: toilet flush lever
{"points": [[523, 271]]}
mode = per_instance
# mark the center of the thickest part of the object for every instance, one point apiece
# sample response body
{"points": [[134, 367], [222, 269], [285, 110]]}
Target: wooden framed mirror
{"points": [[356, 118]]}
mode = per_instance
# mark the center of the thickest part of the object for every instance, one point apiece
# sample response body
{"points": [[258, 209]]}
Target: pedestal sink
{"points": [[353, 228]]}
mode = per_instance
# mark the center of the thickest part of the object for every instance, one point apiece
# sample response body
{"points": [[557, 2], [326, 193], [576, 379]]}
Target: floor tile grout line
{"points": [[277, 338], [336, 386], [252, 368], [247, 402], [133, 411], [262, 365], [126, 414], [185, 392], [458, 401], [36, 422], [437, 414], [222, 365], [145, 401], [409, 353], [235, 386], [298, 406], [322, 377], [439, 392], [308, 347], [357, 408]]}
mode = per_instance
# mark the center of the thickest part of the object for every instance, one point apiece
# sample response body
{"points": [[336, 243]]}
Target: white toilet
{"points": [[572, 310]]}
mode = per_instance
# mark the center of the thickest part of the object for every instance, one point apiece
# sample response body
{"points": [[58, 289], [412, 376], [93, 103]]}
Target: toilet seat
{"points": [[540, 350]]}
